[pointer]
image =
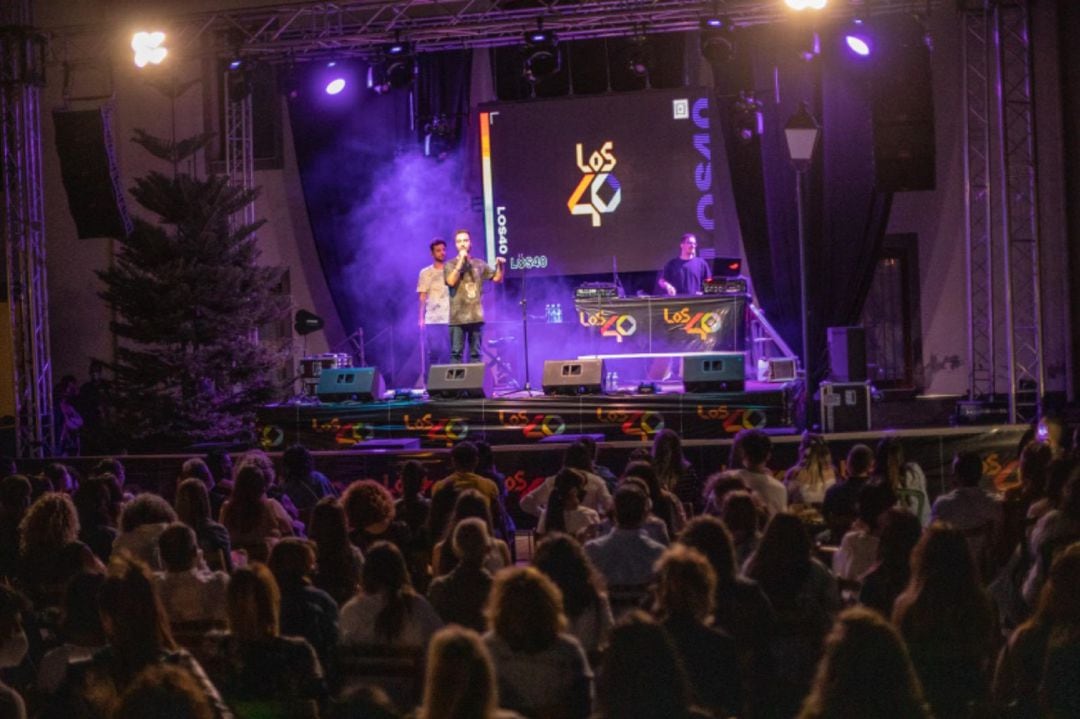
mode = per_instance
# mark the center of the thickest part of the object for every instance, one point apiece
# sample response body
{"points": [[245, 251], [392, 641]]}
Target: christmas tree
{"points": [[189, 297]]}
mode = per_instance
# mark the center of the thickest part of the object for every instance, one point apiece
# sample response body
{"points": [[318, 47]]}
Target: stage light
{"points": [[858, 45], [542, 57], [638, 56], [806, 4], [857, 38], [335, 86], [149, 48], [717, 40], [399, 65]]}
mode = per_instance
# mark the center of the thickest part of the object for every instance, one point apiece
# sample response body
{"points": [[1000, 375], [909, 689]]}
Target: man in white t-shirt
{"points": [[755, 449], [434, 306]]}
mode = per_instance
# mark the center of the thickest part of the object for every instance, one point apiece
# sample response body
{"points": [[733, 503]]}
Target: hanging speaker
{"points": [[351, 384], [91, 177]]}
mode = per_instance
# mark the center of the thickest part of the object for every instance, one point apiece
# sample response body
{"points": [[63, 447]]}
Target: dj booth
{"points": [[664, 325]]}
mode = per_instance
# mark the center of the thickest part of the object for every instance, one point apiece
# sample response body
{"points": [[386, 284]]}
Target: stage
{"points": [[520, 419]]}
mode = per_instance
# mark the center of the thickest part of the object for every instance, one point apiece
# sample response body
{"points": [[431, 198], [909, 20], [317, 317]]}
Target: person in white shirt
{"points": [[190, 593], [859, 548], [967, 507], [755, 449], [578, 457], [434, 298]]}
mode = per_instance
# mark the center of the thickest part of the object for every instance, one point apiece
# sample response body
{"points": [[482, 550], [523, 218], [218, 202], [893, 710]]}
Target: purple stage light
{"points": [[335, 86], [714, 22], [858, 45]]}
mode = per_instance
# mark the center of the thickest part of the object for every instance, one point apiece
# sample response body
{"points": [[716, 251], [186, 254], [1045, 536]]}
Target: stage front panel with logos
{"points": [[629, 325]]}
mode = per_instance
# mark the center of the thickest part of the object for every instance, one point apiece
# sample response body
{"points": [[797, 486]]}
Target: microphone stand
{"points": [[524, 302]]}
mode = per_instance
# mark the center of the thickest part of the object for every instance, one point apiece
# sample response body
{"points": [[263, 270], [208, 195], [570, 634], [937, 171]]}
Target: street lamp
{"points": [[802, 132]]}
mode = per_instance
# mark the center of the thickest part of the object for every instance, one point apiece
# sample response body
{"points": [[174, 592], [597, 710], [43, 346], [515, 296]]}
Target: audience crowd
{"points": [[817, 590]]}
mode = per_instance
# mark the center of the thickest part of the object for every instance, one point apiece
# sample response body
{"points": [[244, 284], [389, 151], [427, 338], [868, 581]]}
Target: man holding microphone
{"points": [[465, 277]]}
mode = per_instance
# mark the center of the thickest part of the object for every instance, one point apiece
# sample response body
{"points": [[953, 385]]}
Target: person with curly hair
{"points": [[866, 673], [542, 671], [369, 507], [142, 521], [49, 550]]}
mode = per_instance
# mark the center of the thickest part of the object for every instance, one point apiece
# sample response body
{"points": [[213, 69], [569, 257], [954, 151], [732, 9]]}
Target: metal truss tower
{"points": [[1004, 314], [239, 146], [22, 227]]}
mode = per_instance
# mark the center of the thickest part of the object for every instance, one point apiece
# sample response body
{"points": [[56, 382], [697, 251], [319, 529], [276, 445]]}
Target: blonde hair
{"points": [[460, 680]]}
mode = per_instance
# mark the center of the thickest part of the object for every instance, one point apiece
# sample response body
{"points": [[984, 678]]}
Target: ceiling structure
{"points": [[315, 30]]}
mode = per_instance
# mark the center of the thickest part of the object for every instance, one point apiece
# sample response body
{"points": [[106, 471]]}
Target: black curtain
{"points": [[845, 215], [371, 243]]}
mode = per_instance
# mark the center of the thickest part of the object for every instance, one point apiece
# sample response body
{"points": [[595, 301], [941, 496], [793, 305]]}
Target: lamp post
{"points": [[802, 132]]}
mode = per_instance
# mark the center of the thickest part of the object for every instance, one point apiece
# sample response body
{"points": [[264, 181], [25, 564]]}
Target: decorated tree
{"points": [[189, 297]]}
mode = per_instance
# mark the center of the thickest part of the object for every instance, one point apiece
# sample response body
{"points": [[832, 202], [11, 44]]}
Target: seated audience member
{"points": [[625, 556], [947, 620], [805, 597], [303, 484], [485, 467], [138, 635], [841, 499], [13, 648], [755, 448], [254, 524], [564, 511], [338, 561], [459, 596], [1055, 531], [58, 477], [460, 681], [464, 459], [80, 631], [113, 466], [470, 503], [674, 472], [663, 504], [813, 474], [866, 672], [968, 507], [1022, 666], [595, 467], [576, 458], [369, 508], [900, 532], [654, 528], [740, 515], [642, 676], [306, 611], [196, 468], [259, 672], [718, 487], [276, 499], [686, 586], [97, 500], [740, 608], [906, 479], [1057, 476], [541, 670], [47, 538], [585, 603], [388, 612], [142, 521], [163, 691], [193, 509], [858, 548], [14, 501], [220, 464], [413, 507], [189, 593]]}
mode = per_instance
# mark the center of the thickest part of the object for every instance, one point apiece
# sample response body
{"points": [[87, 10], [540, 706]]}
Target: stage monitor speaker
{"points": [[582, 376], [720, 372], [88, 168], [456, 381], [847, 354], [362, 384]]}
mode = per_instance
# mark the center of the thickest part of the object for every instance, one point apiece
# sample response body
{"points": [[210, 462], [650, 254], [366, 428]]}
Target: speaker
{"points": [[903, 108], [719, 372], [847, 354], [88, 168], [845, 407], [454, 381], [362, 384], [582, 376]]}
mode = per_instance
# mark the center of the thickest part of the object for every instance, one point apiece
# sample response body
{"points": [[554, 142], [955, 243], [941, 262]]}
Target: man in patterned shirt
{"points": [[434, 307], [465, 277]]}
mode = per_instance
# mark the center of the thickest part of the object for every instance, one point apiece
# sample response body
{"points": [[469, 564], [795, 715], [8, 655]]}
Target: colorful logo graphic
{"points": [[595, 176], [699, 324], [611, 325], [533, 426], [642, 425], [439, 429]]}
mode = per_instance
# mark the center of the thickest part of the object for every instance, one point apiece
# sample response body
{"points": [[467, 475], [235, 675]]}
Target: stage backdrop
{"points": [[579, 185]]}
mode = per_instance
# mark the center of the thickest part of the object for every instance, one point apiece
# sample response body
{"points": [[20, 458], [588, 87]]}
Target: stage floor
{"points": [[518, 418]]}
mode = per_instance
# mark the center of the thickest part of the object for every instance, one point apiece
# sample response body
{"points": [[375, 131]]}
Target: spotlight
{"points": [[748, 119], [717, 40], [857, 38], [236, 64], [149, 48], [400, 65], [335, 86], [639, 56], [542, 57], [806, 4]]}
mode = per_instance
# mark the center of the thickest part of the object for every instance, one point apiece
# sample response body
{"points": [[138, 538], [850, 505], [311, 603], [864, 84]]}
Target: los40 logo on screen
{"points": [[595, 176]]}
